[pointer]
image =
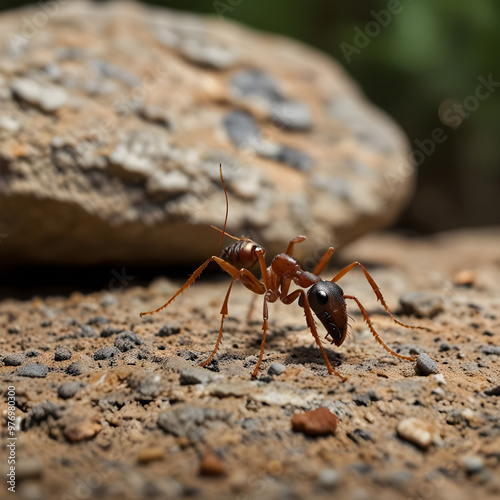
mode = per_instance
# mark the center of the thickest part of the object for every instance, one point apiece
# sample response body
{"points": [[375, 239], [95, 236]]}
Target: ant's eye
{"points": [[321, 297]]}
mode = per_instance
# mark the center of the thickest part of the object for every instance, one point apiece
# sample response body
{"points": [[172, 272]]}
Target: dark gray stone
{"points": [[425, 365], [33, 370], [14, 359], [167, 330], [106, 353], [146, 385], [422, 304], [86, 331], [490, 350], [242, 128], [69, 389]]}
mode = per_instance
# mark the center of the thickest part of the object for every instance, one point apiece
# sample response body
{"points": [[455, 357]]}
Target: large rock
{"points": [[114, 119]]}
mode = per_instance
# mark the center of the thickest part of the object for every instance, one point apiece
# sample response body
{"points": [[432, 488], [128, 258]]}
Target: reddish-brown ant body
{"points": [[325, 298]]}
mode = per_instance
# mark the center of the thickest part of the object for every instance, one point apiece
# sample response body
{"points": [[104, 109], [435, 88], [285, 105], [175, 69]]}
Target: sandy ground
{"points": [[139, 419]]}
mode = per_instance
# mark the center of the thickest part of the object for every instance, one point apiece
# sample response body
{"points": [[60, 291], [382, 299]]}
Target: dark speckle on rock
{"points": [[241, 128], [106, 353], [75, 369], [426, 365], [127, 340], [62, 354], [294, 157], [494, 391], [13, 329], [256, 83], [14, 359], [33, 370]]}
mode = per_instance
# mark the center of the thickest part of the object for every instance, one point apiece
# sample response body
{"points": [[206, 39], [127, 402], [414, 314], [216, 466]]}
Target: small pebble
{"points": [[13, 329], [41, 412], [151, 454], [276, 368], [69, 389], [62, 354], [167, 330], [81, 430], [127, 340], [319, 422], [109, 331], [212, 465], [490, 350], [75, 369], [106, 353], [328, 479], [192, 375], [98, 320], [14, 359], [33, 370], [425, 365], [86, 331], [473, 464], [146, 384], [31, 353], [422, 304], [419, 432], [466, 277]]}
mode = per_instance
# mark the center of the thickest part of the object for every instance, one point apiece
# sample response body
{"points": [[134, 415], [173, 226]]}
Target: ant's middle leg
{"points": [[312, 326], [297, 239], [377, 292]]}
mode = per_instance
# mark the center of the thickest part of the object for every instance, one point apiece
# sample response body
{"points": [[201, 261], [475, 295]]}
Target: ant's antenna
{"points": [[227, 205]]}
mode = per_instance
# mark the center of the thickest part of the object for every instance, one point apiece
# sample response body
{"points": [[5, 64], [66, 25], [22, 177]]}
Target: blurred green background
{"points": [[421, 61]]}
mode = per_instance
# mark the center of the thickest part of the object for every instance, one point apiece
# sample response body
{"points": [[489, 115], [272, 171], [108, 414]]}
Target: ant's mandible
{"points": [[325, 298]]}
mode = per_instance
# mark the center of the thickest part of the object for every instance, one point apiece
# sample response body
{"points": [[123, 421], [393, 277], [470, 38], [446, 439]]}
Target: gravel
{"points": [[14, 359], [127, 340], [75, 369], [106, 353], [62, 354]]}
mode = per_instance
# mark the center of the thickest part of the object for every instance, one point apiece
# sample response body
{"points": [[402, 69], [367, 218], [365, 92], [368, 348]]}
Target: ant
{"points": [[325, 298]]}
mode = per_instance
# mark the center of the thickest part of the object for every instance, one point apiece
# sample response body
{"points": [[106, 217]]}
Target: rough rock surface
{"points": [[127, 427], [114, 118]]}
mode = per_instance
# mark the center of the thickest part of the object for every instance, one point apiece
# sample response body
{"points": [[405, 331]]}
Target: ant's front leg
{"points": [[304, 302], [377, 292]]}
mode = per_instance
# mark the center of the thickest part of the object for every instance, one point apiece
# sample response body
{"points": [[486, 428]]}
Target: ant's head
{"points": [[327, 301]]}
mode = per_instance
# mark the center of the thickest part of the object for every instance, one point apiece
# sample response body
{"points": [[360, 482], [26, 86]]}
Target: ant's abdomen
{"points": [[241, 254]]}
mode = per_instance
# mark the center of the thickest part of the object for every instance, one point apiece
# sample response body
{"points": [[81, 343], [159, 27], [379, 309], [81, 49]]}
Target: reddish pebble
{"points": [[319, 422], [212, 465]]}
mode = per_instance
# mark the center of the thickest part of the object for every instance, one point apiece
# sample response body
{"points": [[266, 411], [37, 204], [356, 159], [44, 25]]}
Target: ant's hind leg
{"points": [[375, 334], [222, 263], [377, 292]]}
